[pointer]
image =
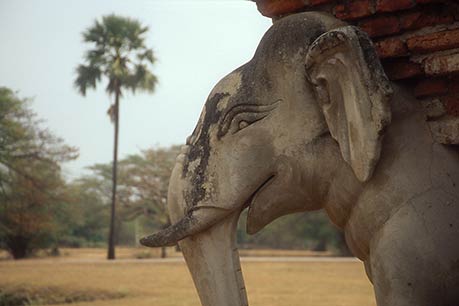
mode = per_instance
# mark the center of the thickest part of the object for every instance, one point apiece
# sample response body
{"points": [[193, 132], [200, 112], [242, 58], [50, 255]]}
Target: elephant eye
{"points": [[243, 115], [243, 120], [243, 124]]}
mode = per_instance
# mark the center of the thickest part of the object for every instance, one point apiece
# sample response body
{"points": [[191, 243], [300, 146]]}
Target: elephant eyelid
{"points": [[249, 113], [246, 118]]}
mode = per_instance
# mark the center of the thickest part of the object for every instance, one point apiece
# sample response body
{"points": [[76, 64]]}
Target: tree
{"points": [[143, 181], [23, 139], [119, 54], [31, 187], [27, 213], [146, 182], [84, 219], [97, 188], [309, 230]]}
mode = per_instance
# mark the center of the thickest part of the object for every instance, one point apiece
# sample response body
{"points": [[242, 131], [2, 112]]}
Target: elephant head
{"points": [[271, 136]]}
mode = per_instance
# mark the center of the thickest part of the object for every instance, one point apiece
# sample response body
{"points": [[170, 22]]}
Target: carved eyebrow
{"points": [[244, 108], [209, 112]]}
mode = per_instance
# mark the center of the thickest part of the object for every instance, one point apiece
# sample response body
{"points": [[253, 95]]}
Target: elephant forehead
{"points": [[217, 104], [230, 86]]}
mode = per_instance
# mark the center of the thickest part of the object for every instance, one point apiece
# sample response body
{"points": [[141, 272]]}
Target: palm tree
{"points": [[120, 55]]}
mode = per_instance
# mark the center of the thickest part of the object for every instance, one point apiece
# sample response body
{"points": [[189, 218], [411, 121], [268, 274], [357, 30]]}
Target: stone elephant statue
{"points": [[312, 122]]}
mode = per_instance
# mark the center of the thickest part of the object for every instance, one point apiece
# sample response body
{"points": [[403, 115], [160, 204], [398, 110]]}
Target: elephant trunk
{"points": [[213, 260], [207, 238], [196, 220]]}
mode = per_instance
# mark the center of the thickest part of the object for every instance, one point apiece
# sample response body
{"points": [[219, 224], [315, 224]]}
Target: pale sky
{"points": [[196, 42]]}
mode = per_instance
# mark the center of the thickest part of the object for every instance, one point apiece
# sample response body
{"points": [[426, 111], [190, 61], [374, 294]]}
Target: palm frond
{"points": [[87, 77], [141, 79], [147, 55]]}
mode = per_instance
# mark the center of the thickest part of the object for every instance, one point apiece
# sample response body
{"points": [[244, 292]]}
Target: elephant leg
{"points": [[414, 258]]}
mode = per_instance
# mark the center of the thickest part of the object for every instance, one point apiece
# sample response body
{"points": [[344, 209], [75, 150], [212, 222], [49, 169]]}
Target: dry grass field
{"points": [[131, 282], [142, 253]]}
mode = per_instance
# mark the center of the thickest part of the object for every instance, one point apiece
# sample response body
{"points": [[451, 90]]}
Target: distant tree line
{"points": [[39, 209]]}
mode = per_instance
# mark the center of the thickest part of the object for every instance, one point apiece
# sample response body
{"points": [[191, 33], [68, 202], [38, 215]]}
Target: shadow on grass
{"points": [[26, 295]]}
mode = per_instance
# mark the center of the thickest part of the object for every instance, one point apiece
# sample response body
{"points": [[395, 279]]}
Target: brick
{"points": [[452, 105], [391, 48], [454, 86], [391, 5], [273, 8], [442, 64], [425, 18], [434, 42], [427, 1], [431, 87], [381, 26], [353, 10], [319, 2], [402, 69]]}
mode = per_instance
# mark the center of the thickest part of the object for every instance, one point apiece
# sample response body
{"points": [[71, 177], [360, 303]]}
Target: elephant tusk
{"points": [[170, 235], [195, 222]]}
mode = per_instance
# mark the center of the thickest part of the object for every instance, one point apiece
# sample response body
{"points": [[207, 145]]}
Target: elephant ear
{"points": [[354, 94]]}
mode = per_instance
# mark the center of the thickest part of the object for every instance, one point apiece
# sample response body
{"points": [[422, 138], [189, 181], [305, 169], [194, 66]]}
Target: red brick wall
{"points": [[416, 40]]}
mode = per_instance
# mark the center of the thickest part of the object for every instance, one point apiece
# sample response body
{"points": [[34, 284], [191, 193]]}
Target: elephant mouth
{"points": [[263, 186], [253, 225]]}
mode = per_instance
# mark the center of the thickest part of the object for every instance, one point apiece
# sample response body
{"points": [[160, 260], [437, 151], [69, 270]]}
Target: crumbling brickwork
{"points": [[416, 40]]}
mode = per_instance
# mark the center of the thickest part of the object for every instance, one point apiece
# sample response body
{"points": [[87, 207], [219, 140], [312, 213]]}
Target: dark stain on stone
{"points": [[201, 149], [374, 65]]}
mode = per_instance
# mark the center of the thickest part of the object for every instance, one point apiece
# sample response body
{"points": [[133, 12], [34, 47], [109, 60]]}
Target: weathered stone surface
{"points": [[446, 130], [309, 123], [434, 108], [360, 137]]}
